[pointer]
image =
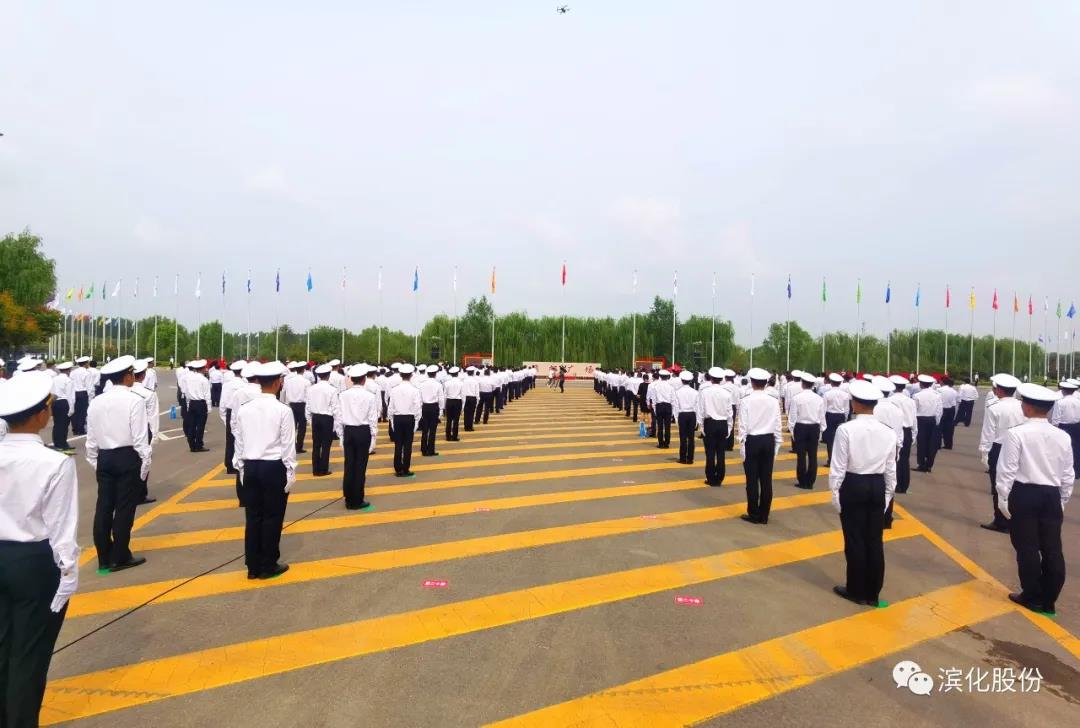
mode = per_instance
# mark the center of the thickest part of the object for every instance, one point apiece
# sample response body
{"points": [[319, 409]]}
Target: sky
{"points": [[919, 143]]}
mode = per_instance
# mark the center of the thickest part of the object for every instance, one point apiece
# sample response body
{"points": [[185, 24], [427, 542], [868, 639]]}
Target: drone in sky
{"points": [[563, 9]]}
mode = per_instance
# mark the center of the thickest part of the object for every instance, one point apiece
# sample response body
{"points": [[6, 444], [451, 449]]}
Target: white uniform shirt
{"points": [[864, 446], [150, 379], [999, 418], [338, 381], [197, 387], [837, 401], [150, 399], [295, 389], [686, 400], [322, 399], [907, 406], [454, 388], [214, 376], [264, 430], [968, 392], [471, 386], [117, 419], [807, 408], [431, 392], [759, 414], [80, 379], [887, 412], [949, 397], [405, 400], [63, 388], [359, 406], [928, 404], [39, 501], [715, 403], [660, 393], [1038, 453], [1066, 410]]}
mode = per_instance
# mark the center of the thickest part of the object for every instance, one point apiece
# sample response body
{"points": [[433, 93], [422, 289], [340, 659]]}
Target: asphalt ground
{"points": [[589, 580]]}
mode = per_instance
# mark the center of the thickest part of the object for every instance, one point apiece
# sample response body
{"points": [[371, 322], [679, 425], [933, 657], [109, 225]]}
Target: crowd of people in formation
{"points": [[1030, 444], [870, 423]]}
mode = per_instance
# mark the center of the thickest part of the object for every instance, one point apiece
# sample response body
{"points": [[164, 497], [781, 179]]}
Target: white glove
{"points": [[69, 582], [1004, 510], [836, 502], [144, 471]]}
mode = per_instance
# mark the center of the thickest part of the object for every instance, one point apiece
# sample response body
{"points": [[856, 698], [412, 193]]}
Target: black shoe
{"points": [[232, 472], [278, 570], [301, 452], [804, 487], [994, 527], [362, 506], [887, 525], [748, 518], [147, 499], [252, 575], [135, 561], [408, 474], [841, 591], [1018, 598], [200, 449]]}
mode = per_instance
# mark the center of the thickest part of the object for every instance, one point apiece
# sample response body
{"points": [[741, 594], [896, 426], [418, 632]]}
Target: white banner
{"points": [[574, 369]]}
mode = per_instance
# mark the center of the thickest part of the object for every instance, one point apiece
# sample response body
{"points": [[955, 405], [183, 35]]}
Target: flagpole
{"points": [[858, 326], [888, 334], [823, 295], [307, 315], [379, 337], [674, 299], [119, 312], [947, 303], [1030, 316], [971, 338], [221, 353], [455, 315], [344, 310], [93, 323], [416, 325], [993, 351], [1057, 346], [712, 330], [1046, 337], [277, 321], [751, 320], [562, 305], [918, 329], [787, 319], [176, 323], [198, 317], [633, 334]]}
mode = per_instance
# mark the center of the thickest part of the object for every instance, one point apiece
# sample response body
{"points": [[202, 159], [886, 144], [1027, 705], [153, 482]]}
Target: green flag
{"points": [[90, 293], [824, 295], [858, 292], [1059, 309]]}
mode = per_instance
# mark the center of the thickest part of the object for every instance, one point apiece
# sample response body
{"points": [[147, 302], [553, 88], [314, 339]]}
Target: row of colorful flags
{"points": [[87, 293]]}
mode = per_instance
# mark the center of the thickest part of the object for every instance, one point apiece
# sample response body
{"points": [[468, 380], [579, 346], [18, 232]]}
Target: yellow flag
{"points": [[70, 293], [971, 303]]}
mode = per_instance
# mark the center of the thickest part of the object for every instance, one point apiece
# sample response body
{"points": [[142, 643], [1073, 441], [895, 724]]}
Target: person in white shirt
{"points": [[83, 384], [433, 403], [181, 373], [216, 378], [862, 479], [1066, 415], [487, 396], [928, 414], [759, 436], [910, 422], [1007, 412], [793, 387], [150, 400], [225, 411], [198, 404], [1034, 483], [325, 410], [39, 556], [685, 406], [63, 391], [337, 379], [454, 391], [294, 393], [471, 389], [266, 460], [950, 405], [405, 409], [837, 409], [118, 449], [968, 395], [150, 380], [736, 397], [714, 413], [357, 429], [661, 400], [806, 422]]}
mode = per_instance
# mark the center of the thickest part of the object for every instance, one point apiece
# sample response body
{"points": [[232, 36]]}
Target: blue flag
{"points": [[918, 295], [223, 283], [416, 279], [309, 280], [277, 281], [888, 291], [789, 286], [1072, 310], [249, 283]]}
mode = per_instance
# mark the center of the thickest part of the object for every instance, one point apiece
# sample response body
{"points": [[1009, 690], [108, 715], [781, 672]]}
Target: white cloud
{"points": [[269, 179], [654, 219], [1021, 97]]}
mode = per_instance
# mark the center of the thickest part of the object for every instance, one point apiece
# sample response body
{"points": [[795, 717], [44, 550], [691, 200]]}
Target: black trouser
{"points": [[230, 443], [186, 421], [299, 416], [453, 416], [429, 427], [862, 515], [562, 384], [28, 628], [119, 492], [403, 442], [687, 426], [631, 404], [992, 460], [322, 431], [832, 421], [78, 418], [804, 439], [60, 424], [964, 413], [715, 432], [197, 411], [1073, 430], [356, 443], [486, 400], [264, 513], [926, 443], [470, 413], [1035, 530], [903, 464], [759, 452], [215, 394], [499, 398], [730, 444], [662, 423], [948, 424]]}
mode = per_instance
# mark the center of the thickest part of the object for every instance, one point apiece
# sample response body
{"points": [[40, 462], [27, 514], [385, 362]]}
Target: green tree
{"points": [[27, 284]]}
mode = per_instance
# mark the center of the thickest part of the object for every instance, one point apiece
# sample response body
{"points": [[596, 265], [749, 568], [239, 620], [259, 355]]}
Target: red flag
{"points": [[1016, 303], [564, 273], [1031, 307], [994, 305], [948, 297]]}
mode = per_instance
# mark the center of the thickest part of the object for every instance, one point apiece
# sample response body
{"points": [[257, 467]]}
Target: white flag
{"points": [[155, 286], [455, 279], [714, 285], [635, 280], [751, 284], [116, 290], [198, 286], [135, 293], [343, 272], [675, 285], [176, 285], [380, 277]]}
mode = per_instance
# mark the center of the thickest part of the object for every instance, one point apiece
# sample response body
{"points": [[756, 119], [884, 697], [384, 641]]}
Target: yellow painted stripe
{"points": [[111, 600], [413, 486], [702, 690], [148, 681], [1055, 631], [315, 525]]}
